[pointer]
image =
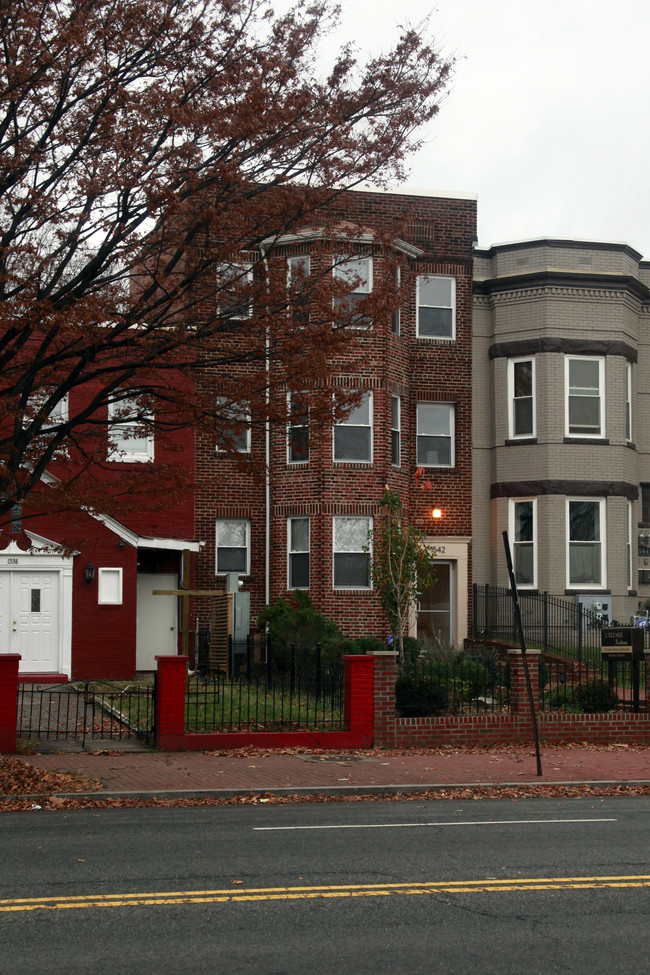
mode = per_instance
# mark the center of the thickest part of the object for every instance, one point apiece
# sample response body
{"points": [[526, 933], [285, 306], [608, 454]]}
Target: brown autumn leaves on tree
{"points": [[146, 148]]}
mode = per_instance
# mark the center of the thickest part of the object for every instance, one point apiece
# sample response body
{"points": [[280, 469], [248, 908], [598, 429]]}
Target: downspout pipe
{"points": [[267, 456]]}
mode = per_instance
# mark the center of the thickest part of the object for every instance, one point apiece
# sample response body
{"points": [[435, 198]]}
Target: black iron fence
{"points": [[291, 689], [89, 710], [551, 624], [476, 684], [200, 650], [616, 685]]}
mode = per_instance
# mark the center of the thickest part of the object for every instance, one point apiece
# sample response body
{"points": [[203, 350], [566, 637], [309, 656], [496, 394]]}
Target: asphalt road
{"points": [[499, 886]]}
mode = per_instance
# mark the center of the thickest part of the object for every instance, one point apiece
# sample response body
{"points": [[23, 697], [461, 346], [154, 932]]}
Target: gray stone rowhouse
{"points": [[561, 420]]}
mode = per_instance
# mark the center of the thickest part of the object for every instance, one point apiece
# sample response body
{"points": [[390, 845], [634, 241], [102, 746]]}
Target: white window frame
{"points": [[630, 538], [568, 359], [628, 402], [343, 270], [348, 422], [110, 586], [298, 308], [602, 541], [235, 271], [59, 415], [298, 259], [512, 399], [514, 542], [396, 431], [119, 449], [239, 521], [296, 426], [239, 414], [366, 551], [291, 550], [451, 410], [420, 283]]}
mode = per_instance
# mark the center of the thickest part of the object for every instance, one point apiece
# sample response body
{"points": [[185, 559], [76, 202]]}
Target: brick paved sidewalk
{"points": [[196, 772]]}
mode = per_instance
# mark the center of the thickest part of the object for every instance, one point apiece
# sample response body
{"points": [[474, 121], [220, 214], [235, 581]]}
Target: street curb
{"points": [[369, 790]]}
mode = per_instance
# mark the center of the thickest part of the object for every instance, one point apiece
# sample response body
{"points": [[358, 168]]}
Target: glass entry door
{"points": [[435, 608]]}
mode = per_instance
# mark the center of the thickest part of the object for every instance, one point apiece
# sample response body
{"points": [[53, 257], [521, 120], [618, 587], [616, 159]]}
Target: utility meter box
{"points": [[599, 605]]}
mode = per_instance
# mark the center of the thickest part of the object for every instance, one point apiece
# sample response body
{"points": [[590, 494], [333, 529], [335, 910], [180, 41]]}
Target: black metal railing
{"points": [[453, 686], [291, 689], [200, 638], [85, 710], [581, 689], [550, 624]]}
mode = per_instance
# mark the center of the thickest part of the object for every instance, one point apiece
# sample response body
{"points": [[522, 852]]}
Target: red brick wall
{"points": [[385, 363], [358, 693], [488, 729], [8, 696], [170, 714], [104, 637]]}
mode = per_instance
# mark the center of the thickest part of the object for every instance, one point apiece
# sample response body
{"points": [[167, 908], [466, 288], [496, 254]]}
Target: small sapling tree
{"points": [[401, 564]]}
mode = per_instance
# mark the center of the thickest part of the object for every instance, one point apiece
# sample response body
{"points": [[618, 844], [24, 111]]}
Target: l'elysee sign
{"points": [[621, 643]]}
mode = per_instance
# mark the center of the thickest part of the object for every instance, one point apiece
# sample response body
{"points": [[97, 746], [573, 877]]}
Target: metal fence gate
{"points": [[89, 710]]}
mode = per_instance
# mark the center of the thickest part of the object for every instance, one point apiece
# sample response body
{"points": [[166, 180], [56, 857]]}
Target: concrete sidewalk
{"points": [[148, 773]]}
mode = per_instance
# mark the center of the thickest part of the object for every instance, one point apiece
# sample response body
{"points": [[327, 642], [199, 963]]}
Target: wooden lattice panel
{"points": [[222, 628]]}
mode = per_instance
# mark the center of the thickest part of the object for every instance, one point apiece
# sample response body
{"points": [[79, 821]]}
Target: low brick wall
{"points": [[596, 729], [392, 731], [170, 714], [370, 715]]}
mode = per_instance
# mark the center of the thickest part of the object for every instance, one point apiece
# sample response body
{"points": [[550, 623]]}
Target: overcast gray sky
{"points": [[548, 118]]}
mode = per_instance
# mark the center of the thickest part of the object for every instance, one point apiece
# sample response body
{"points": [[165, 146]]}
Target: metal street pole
{"points": [[522, 644]]}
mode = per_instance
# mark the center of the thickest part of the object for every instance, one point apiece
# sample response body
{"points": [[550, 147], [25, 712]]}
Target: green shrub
{"points": [[419, 697], [367, 644], [544, 672], [437, 649], [296, 622], [411, 648], [562, 698], [595, 695]]}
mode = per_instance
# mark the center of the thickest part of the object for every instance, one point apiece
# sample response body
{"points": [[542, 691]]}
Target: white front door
{"points": [[30, 619], [157, 619]]}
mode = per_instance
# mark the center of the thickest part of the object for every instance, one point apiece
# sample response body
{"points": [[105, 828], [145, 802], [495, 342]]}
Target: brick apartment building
{"points": [[306, 526], [109, 605]]}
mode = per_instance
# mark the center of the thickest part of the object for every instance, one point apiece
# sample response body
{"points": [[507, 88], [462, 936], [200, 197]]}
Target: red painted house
{"points": [[77, 589]]}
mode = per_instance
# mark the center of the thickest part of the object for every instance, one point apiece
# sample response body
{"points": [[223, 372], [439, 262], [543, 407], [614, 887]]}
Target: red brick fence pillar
{"points": [[170, 702], [385, 716], [358, 694], [8, 701], [519, 703]]}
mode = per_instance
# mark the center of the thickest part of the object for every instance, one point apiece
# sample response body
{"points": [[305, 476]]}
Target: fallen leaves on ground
{"points": [[51, 803], [527, 748], [38, 789], [19, 778]]}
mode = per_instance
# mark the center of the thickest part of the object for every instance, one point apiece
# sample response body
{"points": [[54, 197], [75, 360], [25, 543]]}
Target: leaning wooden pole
{"points": [[522, 644]]}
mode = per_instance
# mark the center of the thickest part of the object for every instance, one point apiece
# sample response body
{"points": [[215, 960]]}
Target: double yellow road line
{"points": [[239, 895]]}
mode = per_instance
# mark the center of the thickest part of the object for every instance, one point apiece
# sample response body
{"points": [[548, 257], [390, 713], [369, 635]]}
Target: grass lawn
{"points": [[254, 706]]}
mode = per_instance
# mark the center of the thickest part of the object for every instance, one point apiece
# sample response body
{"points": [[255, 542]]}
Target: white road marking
{"points": [[483, 822]]}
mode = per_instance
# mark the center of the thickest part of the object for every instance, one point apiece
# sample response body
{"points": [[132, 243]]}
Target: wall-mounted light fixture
{"points": [[436, 513], [89, 572]]}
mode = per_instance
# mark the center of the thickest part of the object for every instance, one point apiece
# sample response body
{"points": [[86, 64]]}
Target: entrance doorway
{"points": [[157, 619], [435, 619], [30, 608]]}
